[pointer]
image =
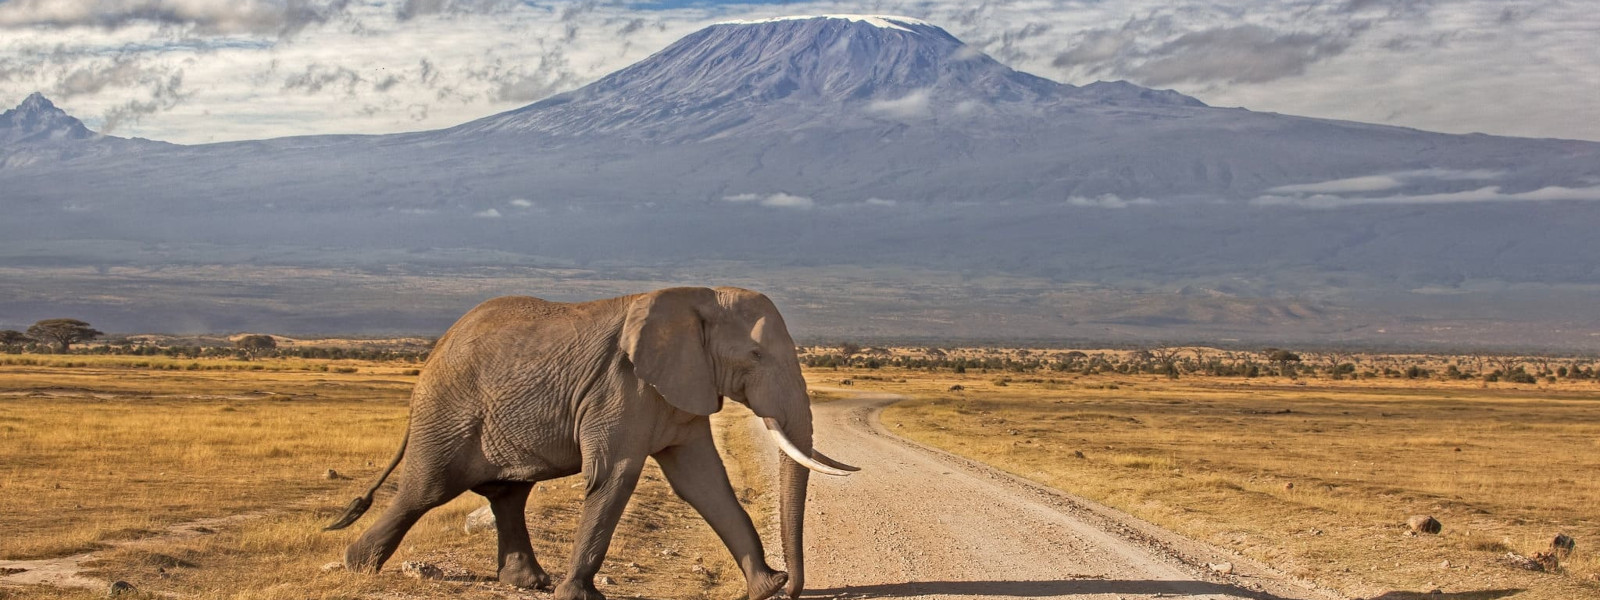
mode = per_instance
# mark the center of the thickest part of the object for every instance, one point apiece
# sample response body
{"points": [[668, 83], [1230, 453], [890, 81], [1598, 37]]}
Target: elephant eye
{"points": [[755, 355]]}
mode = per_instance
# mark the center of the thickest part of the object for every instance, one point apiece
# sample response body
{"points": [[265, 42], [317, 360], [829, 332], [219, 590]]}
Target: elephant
{"points": [[521, 390]]}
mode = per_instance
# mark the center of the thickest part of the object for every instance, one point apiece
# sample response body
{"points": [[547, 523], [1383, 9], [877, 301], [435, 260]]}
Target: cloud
{"points": [[316, 77], [782, 200], [1157, 51], [487, 213], [630, 26], [913, 105], [91, 78], [521, 203], [879, 202], [1388, 181], [1241, 54], [223, 16], [164, 95], [1108, 201], [411, 9], [1484, 194], [551, 76], [778, 200]]}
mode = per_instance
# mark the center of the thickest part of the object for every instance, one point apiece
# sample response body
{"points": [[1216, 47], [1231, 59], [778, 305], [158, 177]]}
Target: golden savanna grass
{"points": [[108, 454], [1315, 477]]}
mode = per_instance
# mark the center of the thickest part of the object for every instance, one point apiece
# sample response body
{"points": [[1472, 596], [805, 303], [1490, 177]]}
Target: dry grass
{"points": [[1316, 479], [109, 456]]}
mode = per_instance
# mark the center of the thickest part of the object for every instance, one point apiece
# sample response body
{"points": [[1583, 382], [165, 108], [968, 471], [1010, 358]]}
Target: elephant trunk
{"points": [[793, 479]]}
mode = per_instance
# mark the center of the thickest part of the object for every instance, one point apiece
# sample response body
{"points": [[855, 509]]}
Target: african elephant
{"points": [[522, 390]]}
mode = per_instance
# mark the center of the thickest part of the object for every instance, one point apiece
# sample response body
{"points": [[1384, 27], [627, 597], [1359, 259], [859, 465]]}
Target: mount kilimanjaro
{"points": [[850, 142]]}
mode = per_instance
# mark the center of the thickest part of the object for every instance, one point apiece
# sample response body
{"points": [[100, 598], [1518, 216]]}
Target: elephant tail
{"points": [[360, 505]]}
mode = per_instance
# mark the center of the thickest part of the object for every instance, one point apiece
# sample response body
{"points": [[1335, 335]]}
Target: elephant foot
{"points": [[524, 572], [360, 559], [764, 585], [573, 589]]}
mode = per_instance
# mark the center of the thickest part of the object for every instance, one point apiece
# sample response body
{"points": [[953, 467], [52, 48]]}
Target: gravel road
{"points": [[920, 523]]}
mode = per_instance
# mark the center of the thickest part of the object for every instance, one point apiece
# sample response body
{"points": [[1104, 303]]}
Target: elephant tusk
{"points": [[825, 459], [796, 454]]}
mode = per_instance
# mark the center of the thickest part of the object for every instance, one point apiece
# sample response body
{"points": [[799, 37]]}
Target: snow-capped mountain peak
{"points": [[787, 73], [884, 21]]}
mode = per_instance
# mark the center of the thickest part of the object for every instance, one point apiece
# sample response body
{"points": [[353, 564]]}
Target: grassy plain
{"points": [[1314, 476], [109, 454]]}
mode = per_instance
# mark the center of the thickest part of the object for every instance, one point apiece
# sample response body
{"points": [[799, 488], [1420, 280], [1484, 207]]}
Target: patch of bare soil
{"points": [[75, 571]]}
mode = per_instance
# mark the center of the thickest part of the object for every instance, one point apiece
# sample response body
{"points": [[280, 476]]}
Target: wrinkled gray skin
{"points": [[521, 390]]}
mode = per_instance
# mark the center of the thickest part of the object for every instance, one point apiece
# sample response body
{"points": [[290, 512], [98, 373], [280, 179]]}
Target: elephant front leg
{"points": [[518, 565], [611, 484], [696, 473]]}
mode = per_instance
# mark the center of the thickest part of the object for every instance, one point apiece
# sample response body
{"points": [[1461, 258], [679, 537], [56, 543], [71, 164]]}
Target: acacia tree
{"points": [[1505, 363], [63, 332], [1283, 358], [256, 343], [1167, 358], [12, 337], [1336, 358]]}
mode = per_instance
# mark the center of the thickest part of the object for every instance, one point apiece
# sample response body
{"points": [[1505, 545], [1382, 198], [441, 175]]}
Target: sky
{"points": [[195, 71]]}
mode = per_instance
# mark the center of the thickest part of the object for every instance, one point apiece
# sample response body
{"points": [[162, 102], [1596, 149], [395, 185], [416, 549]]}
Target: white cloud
{"points": [[1370, 183], [880, 202], [1108, 201], [522, 203], [224, 16], [1388, 181], [914, 105], [778, 200], [487, 213], [781, 200], [1484, 194]]}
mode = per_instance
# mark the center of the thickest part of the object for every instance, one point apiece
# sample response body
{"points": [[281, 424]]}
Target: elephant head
{"points": [[696, 346]]}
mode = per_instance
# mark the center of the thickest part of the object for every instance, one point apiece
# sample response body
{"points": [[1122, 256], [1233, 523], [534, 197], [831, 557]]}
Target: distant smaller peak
{"points": [[36, 101], [884, 21]]}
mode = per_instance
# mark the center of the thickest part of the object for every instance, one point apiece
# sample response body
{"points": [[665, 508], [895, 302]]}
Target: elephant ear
{"points": [[664, 337]]}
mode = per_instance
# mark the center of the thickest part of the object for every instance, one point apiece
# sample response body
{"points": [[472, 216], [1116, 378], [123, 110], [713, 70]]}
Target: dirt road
{"points": [[920, 523]]}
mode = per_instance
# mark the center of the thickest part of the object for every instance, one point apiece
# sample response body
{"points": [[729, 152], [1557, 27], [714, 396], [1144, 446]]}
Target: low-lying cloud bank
{"points": [[778, 200], [1483, 194]]}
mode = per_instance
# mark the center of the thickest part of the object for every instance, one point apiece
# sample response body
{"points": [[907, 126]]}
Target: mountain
{"points": [[720, 80], [800, 148], [37, 131], [37, 120]]}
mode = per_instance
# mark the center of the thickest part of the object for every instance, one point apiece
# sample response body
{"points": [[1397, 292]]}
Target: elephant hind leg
{"points": [[374, 547], [517, 564]]}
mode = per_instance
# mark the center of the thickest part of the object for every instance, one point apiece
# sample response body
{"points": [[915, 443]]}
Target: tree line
{"points": [[1178, 362], [59, 336]]}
